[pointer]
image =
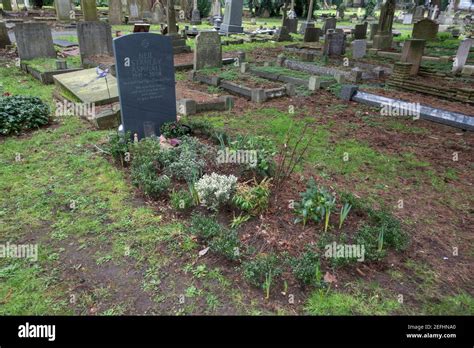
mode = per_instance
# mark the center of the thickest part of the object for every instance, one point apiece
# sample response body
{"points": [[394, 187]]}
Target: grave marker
{"points": [[383, 38], [412, 53], [360, 31], [462, 54], [95, 39], [232, 22], [64, 10], [334, 43], [359, 48], [4, 38], [89, 10], [312, 34], [419, 13], [408, 18], [145, 73], [208, 51], [330, 23], [115, 12], [34, 40], [425, 29]]}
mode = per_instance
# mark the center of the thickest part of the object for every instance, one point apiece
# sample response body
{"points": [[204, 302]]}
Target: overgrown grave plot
{"points": [[335, 69], [242, 201], [43, 69], [431, 82], [251, 87], [303, 81]]}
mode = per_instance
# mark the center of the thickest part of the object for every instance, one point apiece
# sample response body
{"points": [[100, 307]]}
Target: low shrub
{"points": [[306, 268], [204, 227], [147, 161], [215, 190], [252, 199], [119, 146], [145, 177], [257, 270], [172, 130], [227, 244], [21, 113], [203, 127], [187, 162], [181, 200]]}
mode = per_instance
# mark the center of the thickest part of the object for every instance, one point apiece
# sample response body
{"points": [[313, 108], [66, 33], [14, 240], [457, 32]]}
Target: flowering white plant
{"points": [[215, 189]]}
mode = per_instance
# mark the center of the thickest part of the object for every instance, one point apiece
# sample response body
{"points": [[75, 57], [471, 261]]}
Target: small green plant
{"points": [[239, 220], [181, 200], [204, 227], [119, 146], [187, 162], [252, 199], [306, 268], [265, 150], [215, 190], [346, 208], [172, 130], [227, 244], [147, 162], [202, 127], [262, 271], [316, 204], [20, 113]]}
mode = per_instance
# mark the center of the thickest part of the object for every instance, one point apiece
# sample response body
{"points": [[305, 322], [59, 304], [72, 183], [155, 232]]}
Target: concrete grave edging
{"points": [[449, 118]]}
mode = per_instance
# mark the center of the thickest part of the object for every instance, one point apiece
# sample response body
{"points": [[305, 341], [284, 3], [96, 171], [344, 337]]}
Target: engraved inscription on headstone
{"points": [[145, 73], [208, 51]]}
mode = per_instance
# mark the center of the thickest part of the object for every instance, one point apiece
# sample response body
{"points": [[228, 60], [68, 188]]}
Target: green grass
{"points": [[282, 71], [462, 304], [324, 302], [15, 81], [49, 64]]}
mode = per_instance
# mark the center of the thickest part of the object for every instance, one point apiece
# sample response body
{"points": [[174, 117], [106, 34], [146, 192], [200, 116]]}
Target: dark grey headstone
{"points": [[360, 31], [334, 43], [145, 73], [34, 40], [330, 23], [232, 22], [312, 34], [208, 51], [95, 39]]}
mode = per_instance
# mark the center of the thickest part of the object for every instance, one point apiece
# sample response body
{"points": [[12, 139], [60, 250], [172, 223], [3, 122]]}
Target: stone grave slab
{"points": [[87, 87]]}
